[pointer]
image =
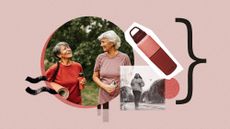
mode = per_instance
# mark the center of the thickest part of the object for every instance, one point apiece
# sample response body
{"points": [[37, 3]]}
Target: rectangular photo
{"points": [[141, 89]]}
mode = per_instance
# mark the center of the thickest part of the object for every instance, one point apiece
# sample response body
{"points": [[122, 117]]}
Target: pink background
{"points": [[26, 25]]}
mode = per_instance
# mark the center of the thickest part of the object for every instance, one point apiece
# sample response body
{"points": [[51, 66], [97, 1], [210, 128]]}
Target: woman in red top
{"points": [[68, 72]]}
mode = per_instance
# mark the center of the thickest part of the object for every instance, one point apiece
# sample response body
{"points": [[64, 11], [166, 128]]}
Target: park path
{"points": [[142, 106]]}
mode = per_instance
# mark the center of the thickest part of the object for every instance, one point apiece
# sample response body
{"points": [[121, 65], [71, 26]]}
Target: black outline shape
{"points": [[192, 65], [36, 80], [42, 89]]}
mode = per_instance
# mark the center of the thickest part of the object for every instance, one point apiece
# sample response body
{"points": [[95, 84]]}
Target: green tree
{"points": [[81, 34]]}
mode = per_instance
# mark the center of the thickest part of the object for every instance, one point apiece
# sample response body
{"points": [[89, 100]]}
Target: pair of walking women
{"points": [[106, 72]]}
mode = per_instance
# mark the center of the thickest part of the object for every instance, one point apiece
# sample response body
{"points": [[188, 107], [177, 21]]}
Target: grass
{"points": [[90, 94]]}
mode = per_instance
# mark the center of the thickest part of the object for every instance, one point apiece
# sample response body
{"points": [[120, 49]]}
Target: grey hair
{"points": [[57, 48], [112, 37]]}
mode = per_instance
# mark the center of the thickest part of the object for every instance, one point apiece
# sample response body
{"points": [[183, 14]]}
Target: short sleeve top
{"points": [[109, 71], [67, 77]]}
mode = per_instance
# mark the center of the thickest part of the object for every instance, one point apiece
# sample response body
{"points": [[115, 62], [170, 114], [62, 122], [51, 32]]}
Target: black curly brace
{"points": [[192, 65]]}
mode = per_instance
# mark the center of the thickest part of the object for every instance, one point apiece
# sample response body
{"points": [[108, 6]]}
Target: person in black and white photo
{"points": [[137, 83]]}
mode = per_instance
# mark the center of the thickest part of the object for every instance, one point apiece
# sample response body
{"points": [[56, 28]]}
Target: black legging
{"points": [[105, 106], [137, 97]]}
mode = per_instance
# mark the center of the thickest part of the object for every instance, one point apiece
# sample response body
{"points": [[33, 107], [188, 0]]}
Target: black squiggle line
{"points": [[192, 66], [36, 80], [38, 91]]}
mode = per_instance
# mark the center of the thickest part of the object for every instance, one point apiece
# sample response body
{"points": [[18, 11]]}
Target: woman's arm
{"points": [[132, 82], [83, 80], [142, 83], [104, 86]]}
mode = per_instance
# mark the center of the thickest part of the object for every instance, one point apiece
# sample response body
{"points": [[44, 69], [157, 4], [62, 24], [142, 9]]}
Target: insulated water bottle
{"points": [[153, 51]]}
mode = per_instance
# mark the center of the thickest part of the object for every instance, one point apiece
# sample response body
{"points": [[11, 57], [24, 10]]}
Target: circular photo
{"points": [[82, 60]]}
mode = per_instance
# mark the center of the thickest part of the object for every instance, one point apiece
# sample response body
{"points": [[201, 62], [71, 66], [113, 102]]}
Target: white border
{"points": [[149, 32]]}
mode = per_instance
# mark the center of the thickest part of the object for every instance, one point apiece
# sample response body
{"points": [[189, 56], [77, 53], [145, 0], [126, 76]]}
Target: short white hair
{"points": [[112, 37]]}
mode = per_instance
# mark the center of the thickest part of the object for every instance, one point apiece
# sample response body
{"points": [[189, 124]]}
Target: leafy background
{"points": [[81, 34]]}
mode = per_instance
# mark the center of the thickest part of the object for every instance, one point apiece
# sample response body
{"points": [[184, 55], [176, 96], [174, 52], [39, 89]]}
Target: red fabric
{"points": [[67, 76]]}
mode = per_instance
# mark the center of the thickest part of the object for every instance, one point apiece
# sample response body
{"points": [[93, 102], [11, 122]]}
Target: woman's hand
{"points": [[83, 81], [109, 89]]}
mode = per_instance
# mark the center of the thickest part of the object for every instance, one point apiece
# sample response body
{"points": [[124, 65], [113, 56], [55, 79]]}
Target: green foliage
{"points": [[90, 94], [81, 34]]}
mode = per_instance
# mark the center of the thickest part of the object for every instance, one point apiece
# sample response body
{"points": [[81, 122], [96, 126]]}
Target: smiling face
{"points": [[106, 45], [65, 52]]}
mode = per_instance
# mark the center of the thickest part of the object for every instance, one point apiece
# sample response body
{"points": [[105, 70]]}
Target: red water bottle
{"points": [[153, 51], [80, 78], [114, 85]]}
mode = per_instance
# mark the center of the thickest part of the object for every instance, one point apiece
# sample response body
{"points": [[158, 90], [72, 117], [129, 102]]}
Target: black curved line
{"points": [[36, 80], [192, 66], [38, 91]]}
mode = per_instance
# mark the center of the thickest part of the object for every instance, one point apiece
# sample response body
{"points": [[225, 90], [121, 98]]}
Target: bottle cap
{"points": [[81, 74], [137, 34]]}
